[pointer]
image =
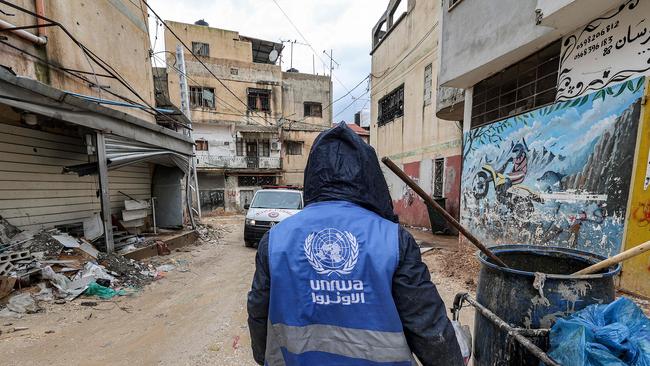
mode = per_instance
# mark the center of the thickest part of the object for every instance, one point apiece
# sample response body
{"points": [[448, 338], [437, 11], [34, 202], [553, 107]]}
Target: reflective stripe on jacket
{"points": [[331, 269]]}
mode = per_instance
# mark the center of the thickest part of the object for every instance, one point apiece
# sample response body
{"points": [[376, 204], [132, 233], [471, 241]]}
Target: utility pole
{"points": [[192, 182], [292, 43]]}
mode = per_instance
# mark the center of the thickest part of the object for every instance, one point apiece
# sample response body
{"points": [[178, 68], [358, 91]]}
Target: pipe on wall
{"points": [[39, 6], [23, 34]]}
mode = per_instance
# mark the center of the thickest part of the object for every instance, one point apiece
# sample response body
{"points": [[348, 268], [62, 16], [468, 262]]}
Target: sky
{"points": [[341, 25]]}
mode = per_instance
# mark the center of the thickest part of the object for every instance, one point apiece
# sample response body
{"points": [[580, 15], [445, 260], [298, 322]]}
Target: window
{"points": [[524, 86], [438, 178], [293, 147], [259, 99], [201, 97], [201, 49], [265, 148], [240, 147], [453, 3], [428, 83], [313, 109], [234, 71], [201, 145], [391, 106], [255, 181]]}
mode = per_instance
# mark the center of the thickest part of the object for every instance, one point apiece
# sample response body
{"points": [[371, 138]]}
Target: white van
{"points": [[269, 206]]}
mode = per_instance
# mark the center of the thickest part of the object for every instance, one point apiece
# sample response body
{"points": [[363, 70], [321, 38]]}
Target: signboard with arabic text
{"points": [[610, 49]]}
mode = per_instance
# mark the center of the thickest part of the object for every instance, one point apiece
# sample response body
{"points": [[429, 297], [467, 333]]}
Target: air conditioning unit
{"points": [[275, 146], [226, 143]]}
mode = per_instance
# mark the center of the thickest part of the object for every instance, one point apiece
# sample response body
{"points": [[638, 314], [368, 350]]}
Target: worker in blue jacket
{"points": [[342, 283]]}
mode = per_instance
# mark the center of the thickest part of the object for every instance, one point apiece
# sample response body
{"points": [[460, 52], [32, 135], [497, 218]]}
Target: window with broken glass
{"points": [[293, 147], [524, 86], [259, 100], [313, 109], [202, 97], [201, 49], [391, 106]]}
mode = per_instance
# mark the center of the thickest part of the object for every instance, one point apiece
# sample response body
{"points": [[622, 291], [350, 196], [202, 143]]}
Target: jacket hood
{"points": [[342, 167]]}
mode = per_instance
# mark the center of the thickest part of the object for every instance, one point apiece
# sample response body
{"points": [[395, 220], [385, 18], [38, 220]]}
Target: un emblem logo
{"points": [[332, 251]]}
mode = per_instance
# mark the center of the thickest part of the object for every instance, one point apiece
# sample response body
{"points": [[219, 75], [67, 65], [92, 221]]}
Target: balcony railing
{"points": [[236, 162]]}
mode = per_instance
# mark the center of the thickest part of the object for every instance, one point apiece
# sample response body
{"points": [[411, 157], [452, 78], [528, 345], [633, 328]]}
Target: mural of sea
{"points": [[558, 176]]}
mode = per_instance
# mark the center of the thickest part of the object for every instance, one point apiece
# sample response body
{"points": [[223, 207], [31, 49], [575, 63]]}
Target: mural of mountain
{"points": [[603, 174], [576, 178]]}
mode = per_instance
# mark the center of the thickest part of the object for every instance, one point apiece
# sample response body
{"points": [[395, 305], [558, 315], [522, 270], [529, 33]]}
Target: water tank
{"points": [[202, 22]]}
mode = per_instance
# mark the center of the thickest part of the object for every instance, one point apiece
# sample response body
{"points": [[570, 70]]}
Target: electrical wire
{"points": [[215, 95], [200, 61], [89, 53], [351, 104], [309, 44]]}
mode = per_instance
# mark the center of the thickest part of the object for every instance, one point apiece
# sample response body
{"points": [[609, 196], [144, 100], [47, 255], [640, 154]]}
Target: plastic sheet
{"points": [[102, 292], [603, 335]]}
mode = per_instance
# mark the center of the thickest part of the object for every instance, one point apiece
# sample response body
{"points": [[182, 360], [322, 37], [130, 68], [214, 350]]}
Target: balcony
{"points": [[206, 161], [450, 103]]}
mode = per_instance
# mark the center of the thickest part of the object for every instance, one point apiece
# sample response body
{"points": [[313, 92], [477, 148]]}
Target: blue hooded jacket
{"points": [[343, 168]]}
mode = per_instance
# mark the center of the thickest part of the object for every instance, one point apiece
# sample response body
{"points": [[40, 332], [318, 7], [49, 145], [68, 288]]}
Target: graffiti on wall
{"points": [[559, 175], [610, 49]]}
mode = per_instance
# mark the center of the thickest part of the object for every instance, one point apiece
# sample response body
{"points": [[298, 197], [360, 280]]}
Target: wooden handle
{"points": [[630, 253], [450, 219]]}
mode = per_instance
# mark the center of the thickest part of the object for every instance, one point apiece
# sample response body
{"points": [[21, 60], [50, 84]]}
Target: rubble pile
{"points": [[52, 265], [130, 272], [210, 234]]}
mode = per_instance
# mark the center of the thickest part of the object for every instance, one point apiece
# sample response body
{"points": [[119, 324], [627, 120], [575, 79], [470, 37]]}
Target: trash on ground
{"points": [[613, 334], [23, 303], [103, 292]]}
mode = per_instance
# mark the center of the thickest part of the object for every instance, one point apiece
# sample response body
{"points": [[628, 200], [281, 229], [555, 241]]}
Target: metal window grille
{"points": [[264, 148], [428, 83], [313, 109], [202, 97], [255, 181], [259, 100], [524, 86], [438, 178], [391, 106], [201, 49], [294, 147]]}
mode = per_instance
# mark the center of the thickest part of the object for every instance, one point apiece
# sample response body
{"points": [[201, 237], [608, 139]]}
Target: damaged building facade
{"points": [[556, 125], [78, 131], [404, 126], [253, 123]]}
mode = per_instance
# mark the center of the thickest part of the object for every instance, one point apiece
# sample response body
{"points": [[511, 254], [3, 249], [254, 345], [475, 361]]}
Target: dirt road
{"points": [[187, 318]]}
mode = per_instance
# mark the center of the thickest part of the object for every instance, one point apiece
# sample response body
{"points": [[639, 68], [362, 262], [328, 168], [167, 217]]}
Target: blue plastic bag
{"points": [[603, 335]]}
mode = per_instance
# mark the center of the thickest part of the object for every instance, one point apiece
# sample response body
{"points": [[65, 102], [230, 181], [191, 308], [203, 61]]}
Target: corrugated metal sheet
{"points": [[34, 193]]}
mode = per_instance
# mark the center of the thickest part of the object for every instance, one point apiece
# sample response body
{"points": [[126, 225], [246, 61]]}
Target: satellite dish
{"points": [[273, 55]]}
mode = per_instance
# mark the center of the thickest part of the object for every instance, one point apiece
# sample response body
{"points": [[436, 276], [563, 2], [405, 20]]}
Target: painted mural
{"points": [[559, 175]]}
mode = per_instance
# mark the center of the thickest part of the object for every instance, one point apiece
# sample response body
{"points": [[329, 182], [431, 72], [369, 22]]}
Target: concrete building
{"points": [[253, 123], [555, 122], [76, 114], [403, 123]]}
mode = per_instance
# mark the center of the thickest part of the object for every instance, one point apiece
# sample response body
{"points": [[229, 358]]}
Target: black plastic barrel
{"points": [[533, 293]]}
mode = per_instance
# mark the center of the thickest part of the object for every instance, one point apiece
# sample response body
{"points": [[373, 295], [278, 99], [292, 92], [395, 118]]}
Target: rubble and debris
{"points": [[89, 303], [7, 231], [128, 271], [19, 329], [23, 303], [166, 268], [6, 285]]}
